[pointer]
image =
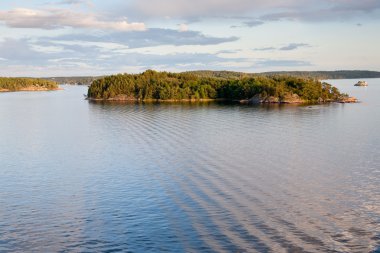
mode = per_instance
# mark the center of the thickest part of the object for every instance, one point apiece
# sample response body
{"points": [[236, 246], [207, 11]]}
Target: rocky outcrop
{"points": [[361, 83], [257, 99], [292, 99], [287, 99], [272, 100], [347, 100], [121, 97]]}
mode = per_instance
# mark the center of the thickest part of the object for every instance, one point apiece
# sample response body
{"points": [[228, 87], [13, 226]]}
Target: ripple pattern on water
{"points": [[83, 177]]}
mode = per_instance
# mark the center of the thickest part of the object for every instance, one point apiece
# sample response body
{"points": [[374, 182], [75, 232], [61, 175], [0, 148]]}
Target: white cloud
{"points": [[294, 46], [149, 38], [60, 18]]}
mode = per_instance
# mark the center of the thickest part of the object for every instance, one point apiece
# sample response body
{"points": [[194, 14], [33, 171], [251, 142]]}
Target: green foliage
{"points": [[14, 84], [152, 85]]}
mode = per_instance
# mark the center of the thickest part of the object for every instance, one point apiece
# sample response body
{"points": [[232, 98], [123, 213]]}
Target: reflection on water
{"points": [[81, 176]]}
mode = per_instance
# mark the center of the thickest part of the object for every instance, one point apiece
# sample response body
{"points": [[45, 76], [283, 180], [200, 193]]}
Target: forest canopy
{"points": [[153, 85]]}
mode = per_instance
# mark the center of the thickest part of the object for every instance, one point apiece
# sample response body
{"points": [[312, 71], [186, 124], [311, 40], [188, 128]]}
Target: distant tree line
{"points": [[323, 75], [320, 75], [14, 84], [152, 85], [74, 80]]}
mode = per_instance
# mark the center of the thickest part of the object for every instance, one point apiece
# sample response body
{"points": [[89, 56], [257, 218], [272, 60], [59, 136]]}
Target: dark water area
{"points": [[77, 176]]}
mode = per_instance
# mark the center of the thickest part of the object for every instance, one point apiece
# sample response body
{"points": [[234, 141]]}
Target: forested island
{"points": [[190, 86], [320, 75], [26, 84]]}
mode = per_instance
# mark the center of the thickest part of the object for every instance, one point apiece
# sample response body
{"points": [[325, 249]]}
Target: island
{"points": [[361, 83], [190, 86], [320, 75], [26, 84]]}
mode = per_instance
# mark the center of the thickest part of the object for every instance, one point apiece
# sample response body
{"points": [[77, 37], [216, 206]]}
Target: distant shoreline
{"points": [[11, 84], [31, 89]]}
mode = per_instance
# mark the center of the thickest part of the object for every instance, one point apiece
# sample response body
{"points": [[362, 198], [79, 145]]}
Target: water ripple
{"points": [[111, 177]]}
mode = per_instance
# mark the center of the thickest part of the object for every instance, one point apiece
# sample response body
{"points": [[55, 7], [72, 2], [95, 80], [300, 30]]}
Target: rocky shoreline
{"points": [[293, 99], [288, 99], [257, 99], [123, 98], [347, 100]]}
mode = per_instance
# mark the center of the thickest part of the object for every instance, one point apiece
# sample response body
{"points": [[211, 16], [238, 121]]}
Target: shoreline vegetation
{"points": [[153, 86], [26, 84]]}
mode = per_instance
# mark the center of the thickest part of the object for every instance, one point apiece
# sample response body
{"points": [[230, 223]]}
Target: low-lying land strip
{"points": [[26, 84]]}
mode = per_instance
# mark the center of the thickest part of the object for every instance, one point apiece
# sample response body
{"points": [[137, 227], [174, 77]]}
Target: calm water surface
{"points": [[77, 176]]}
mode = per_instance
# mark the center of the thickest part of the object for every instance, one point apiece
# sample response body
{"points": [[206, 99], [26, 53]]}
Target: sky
{"points": [[93, 37]]}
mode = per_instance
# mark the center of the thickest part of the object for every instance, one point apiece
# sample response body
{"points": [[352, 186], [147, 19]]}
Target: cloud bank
{"points": [[60, 18], [149, 38], [260, 11], [96, 36]]}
